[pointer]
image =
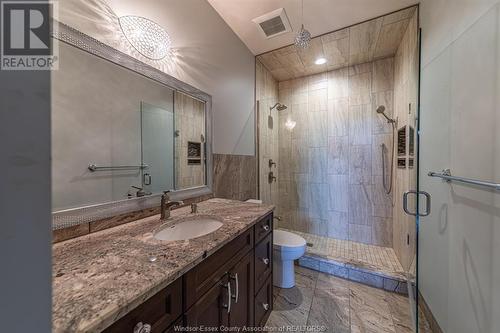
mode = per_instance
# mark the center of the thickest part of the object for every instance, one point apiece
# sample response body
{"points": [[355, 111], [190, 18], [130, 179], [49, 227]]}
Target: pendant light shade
{"points": [[303, 37]]}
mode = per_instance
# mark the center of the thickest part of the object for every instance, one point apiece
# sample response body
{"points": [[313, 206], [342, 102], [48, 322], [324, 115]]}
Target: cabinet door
{"points": [[211, 311], [264, 303], [242, 288]]}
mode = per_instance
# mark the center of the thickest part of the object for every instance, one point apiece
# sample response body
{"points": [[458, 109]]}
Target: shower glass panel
{"points": [[459, 242], [157, 134]]}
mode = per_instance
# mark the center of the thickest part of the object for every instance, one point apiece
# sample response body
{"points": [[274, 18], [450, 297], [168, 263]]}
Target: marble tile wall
{"points": [[267, 127], [330, 170], [405, 108], [235, 176]]}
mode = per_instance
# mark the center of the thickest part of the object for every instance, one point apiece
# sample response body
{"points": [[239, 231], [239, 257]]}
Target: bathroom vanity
{"points": [[122, 279]]}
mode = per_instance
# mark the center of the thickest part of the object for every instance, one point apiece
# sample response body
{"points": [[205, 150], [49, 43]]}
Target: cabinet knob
{"points": [[142, 328], [265, 227], [265, 261], [265, 306]]}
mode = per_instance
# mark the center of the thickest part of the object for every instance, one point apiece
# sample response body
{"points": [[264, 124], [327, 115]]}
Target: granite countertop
{"points": [[98, 278]]}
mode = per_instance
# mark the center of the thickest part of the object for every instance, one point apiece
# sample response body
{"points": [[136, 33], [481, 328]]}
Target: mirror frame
{"points": [[75, 216]]}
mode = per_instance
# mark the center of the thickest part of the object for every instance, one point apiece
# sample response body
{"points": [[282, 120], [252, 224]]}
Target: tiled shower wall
{"points": [[405, 108], [330, 167], [190, 125], [268, 132]]}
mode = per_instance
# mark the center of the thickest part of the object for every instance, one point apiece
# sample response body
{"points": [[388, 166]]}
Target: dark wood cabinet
{"points": [[263, 228], [264, 303], [159, 312], [241, 277], [205, 275], [211, 310], [230, 288]]}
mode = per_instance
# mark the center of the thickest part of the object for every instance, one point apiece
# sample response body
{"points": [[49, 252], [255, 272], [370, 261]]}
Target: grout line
{"points": [[313, 297]]}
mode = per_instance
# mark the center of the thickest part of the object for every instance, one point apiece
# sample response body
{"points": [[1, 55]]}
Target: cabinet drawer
{"points": [[200, 279], [263, 261], [160, 311], [264, 303], [263, 227]]}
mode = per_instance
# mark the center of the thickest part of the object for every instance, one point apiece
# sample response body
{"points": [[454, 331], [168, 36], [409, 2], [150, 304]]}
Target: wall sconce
{"points": [[146, 36]]}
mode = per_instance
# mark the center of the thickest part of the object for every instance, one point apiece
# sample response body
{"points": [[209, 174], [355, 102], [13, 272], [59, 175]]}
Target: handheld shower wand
{"points": [[381, 110], [388, 189]]}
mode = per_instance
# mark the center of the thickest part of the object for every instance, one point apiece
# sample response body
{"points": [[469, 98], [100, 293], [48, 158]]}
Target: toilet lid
{"points": [[287, 239]]}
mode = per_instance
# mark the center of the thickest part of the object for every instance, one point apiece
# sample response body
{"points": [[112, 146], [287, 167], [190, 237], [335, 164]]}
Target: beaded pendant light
{"points": [[146, 36], [303, 37]]}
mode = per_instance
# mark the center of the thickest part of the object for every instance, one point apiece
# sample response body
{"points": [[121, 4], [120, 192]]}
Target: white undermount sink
{"points": [[187, 229]]}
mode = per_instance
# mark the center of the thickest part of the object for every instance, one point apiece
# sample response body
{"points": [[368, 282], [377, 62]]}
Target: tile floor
{"points": [[377, 258], [339, 305]]}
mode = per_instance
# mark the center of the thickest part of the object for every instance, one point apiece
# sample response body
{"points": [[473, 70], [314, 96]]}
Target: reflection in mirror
{"points": [[157, 136], [189, 141], [96, 119]]}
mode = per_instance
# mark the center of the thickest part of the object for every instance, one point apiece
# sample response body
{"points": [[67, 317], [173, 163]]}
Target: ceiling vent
{"points": [[274, 23]]}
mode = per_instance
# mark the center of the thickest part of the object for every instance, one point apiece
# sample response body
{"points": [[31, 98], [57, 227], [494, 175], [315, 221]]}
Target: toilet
{"points": [[287, 247]]}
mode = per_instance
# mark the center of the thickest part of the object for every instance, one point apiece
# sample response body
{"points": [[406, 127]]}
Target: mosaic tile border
{"points": [[62, 234]]}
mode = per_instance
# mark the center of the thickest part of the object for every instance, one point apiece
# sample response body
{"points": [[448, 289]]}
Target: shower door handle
{"points": [[427, 203]]}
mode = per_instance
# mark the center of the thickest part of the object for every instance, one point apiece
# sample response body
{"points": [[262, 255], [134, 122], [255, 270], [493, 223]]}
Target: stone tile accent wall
{"points": [[330, 167], [235, 176]]}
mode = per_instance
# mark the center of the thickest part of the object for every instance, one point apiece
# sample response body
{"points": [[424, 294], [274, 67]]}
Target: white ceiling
{"points": [[320, 16]]}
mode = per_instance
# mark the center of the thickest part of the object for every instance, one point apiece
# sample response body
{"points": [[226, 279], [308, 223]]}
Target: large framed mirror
{"points": [[123, 132]]}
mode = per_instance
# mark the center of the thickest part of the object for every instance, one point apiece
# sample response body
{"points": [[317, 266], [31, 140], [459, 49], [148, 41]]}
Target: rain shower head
{"points": [[279, 107], [381, 110]]}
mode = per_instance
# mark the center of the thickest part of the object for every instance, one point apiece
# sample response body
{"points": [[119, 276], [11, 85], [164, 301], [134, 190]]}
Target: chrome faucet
{"points": [[166, 205]]}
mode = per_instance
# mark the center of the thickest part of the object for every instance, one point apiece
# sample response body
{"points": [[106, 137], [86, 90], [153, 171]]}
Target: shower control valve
{"points": [[271, 178]]}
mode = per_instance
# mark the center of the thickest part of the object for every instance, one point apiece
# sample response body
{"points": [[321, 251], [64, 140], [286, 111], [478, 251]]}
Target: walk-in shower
{"points": [[327, 178]]}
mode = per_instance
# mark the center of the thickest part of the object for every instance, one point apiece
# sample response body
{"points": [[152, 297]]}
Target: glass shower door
{"points": [[157, 148], [459, 242]]}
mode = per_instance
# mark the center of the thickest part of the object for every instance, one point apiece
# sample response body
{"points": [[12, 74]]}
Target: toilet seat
{"points": [[287, 241]]}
